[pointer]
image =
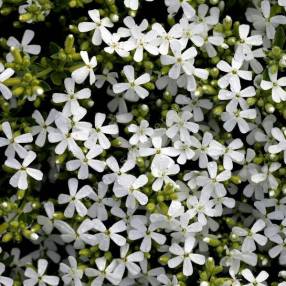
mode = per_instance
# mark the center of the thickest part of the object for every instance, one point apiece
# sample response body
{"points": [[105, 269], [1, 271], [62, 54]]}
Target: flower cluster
{"points": [[146, 149]]}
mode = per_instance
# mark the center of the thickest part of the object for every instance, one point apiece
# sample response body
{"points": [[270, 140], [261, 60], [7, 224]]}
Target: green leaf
{"points": [[279, 40]]}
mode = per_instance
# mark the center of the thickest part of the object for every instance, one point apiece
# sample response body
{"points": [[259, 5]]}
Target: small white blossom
{"points": [[98, 26], [39, 277], [20, 178], [258, 281], [4, 75], [81, 74], [186, 256], [133, 89], [276, 86], [74, 198]]}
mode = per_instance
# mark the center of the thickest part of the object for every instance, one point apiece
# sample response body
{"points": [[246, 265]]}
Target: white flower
{"points": [[166, 281], [262, 21], [282, 3], [43, 126], [13, 142], [112, 40], [5, 281], [80, 236], [280, 250], [128, 260], [140, 42], [184, 150], [180, 124], [194, 104], [133, 4], [24, 45], [237, 97], [205, 147], [266, 177], [264, 134], [105, 76], [166, 38], [39, 277], [209, 16], [71, 97], [74, 198], [244, 48], [158, 143], [213, 183], [216, 40], [112, 163], [186, 256], [98, 25], [175, 5], [183, 61], [133, 89], [97, 134], [202, 207], [105, 234], [251, 236], [104, 271], [276, 85], [162, 167], [84, 161], [281, 145], [79, 75], [20, 178], [47, 221], [141, 132], [129, 185], [232, 154], [192, 32], [5, 74], [258, 281], [72, 275], [233, 74], [65, 136], [148, 234], [97, 209], [234, 257], [220, 200], [237, 117]]}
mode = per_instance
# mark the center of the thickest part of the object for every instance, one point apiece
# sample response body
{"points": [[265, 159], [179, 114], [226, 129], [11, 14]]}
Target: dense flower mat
{"points": [[143, 142]]}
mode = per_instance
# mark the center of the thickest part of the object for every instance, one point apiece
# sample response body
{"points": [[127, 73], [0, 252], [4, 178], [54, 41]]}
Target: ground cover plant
{"points": [[142, 142]]}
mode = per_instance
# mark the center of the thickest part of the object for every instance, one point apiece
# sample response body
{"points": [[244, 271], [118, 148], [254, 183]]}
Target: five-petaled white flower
{"points": [[276, 85], [39, 277], [20, 178], [80, 74], [186, 256], [4, 75], [74, 199], [98, 26], [133, 89]]}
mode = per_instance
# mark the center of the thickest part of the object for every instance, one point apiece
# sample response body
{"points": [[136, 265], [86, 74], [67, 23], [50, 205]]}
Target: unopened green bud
{"points": [[7, 237], [276, 51], [236, 180], [227, 23], [84, 252], [21, 194], [17, 55], [269, 108], [3, 227], [116, 142], [212, 241], [140, 162], [218, 110], [151, 207]]}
